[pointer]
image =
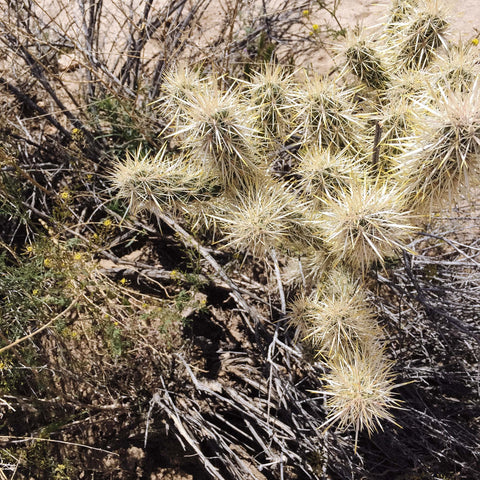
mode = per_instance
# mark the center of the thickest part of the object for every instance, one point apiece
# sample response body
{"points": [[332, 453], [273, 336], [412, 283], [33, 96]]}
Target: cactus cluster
{"points": [[354, 194]]}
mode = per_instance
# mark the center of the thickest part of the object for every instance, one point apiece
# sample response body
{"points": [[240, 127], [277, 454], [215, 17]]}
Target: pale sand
{"points": [[465, 14]]}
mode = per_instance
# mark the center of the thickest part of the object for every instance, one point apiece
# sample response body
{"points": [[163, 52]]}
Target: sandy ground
{"points": [[465, 14]]}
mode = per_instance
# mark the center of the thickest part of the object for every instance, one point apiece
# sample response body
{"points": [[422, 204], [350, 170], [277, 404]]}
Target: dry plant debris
{"points": [[239, 268]]}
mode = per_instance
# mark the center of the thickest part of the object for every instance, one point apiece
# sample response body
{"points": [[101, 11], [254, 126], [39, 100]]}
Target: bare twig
{"points": [[10, 439]]}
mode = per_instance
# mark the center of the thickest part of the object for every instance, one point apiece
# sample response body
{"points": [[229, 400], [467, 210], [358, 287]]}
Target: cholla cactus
{"points": [[365, 223], [341, 282], [336, 318], [264, 217], [151, 182], [457, 68], [409, 87], [321, 172], [397, 122], [422, 33], [366, 61], [447, 156], [330, 211], [326, 114], [307, 270], [180, 86], [221, 131], [268, 91], [399, 11], [360, 391]]}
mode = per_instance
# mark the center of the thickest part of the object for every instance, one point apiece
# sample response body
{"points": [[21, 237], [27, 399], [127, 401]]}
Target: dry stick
{"points": [[429, 308], [452, 244], [6, 158], [230, 36], [271, 351], [174, 43], [13, 439], [190, 241], [278, 276], [333, 12], [26, 337], [30, 103], [145, 29], [94, 63], [38, 71], [280, 18], [89, 34], [132, 269], [376, 144]]}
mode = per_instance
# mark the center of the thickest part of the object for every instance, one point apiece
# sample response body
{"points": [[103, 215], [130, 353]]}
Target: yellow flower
{"points": [[306, 13], [315, 27], [123, 281], [475, 41], [29, 249], [35, 291], [75, 131], [107, 222], [47, 263], [77, 257], [65, 195]]}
